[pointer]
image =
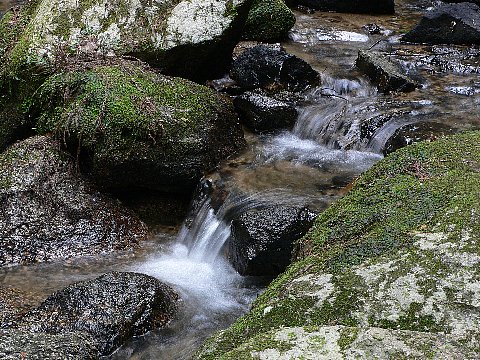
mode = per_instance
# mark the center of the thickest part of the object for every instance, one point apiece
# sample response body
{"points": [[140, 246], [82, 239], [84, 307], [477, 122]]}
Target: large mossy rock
{"points": [[351, 6], [448, 24], [109, 309], [268, 21], [399, 252], [135, 128], [49, 211], [191, 38]]}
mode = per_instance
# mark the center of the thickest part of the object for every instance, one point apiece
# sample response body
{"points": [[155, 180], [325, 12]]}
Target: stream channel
{"points": [[342, 130]]}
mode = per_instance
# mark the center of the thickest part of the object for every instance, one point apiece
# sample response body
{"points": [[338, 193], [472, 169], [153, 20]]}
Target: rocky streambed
{"points": [[161, 165]]}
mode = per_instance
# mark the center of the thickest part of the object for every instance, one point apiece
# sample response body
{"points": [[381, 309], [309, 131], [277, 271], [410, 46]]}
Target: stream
{"points": [[341, 131]]}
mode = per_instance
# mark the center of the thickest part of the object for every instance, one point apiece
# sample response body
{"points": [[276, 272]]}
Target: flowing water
{"points": [[341, 131]]}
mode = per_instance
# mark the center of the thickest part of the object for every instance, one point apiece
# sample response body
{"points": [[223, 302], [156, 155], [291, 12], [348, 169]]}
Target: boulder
{"points": [[457, 23], [413, 133], [18, 344], [264, 67], [261, 113], [351, 6], [49, 211], [134, 128], [110, 309], [398, 257], [262, 240], [385, 73], [186, 38], [268, 21]]}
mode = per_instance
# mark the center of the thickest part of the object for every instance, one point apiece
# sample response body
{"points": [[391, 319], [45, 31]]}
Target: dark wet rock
{"points": [[460, 1], [351, 6], [263, 67], [262, 239], [17, 344], [269, 21], [48, 211], [139, 129], [262, 113], [448, 24], [413, 133], [385, 73], [111, 309], [14, 303]]}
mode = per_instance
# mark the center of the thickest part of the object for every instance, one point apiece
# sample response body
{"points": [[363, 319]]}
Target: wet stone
{"points": [[457, 23], [261, 113], [18, 344], [111, 309], [385, 73], [49, 211], [262, 239], [413, 133], [264, 67]]}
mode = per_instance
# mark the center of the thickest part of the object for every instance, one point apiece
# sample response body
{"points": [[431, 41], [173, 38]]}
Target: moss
{"points": [[269, 21], [424, 188], [347, 337]]}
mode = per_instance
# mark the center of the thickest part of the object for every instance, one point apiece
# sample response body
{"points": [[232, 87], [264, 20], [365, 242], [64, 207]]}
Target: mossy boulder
{"points": [[399, 252], [268, 21], [49, 211], [132, 127]]}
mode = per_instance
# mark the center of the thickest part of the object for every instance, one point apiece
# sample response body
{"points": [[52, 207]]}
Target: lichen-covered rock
{"points": [[341, 342], [399, 252], [264, 67], [268, 21], [448, 24], [189, 38], [111, 309], [262, 239], [351, 6], [386, 74], [48, 211], [262, 113], [133, 128], [17, 344]]}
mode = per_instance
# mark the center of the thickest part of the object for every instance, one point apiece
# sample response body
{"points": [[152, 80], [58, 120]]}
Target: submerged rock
{"points": [[351, 6], [261, 113], [134, 128], [398, 256], [262, 239], [13, 304], [109, 309], [49, 211], [268, 21], [18, 344], [414, 133], [448, 24], [264, 67], [386, 74]]}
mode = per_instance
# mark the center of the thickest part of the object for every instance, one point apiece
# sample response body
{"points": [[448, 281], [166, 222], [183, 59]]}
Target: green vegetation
{"points": [[268, 21]]}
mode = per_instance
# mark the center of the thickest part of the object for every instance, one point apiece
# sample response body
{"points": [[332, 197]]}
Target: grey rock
{"points": [[261, 113], [48, 211], [448, 24], [385, 73], [262, 239], [18, 344], [111, 309]]}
